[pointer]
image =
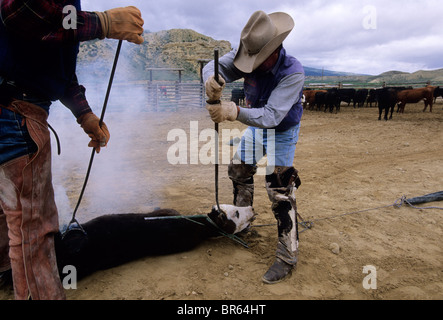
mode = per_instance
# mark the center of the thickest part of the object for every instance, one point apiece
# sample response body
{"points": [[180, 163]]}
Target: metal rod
{"points": [[105, 104], [216, 77]]}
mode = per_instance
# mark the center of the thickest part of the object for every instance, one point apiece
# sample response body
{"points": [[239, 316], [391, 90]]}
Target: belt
{"points": [[10, 91]]}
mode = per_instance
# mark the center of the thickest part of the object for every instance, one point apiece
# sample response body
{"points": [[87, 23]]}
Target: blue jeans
{"points": [[279, 147], [15, 140]]}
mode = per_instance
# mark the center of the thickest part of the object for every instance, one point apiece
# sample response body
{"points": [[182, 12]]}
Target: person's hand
{"points": [[225, 110], [99, 135], [123, 24], [214, 89]]}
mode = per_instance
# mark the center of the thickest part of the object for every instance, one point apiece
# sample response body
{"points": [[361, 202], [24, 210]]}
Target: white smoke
{"points": [[115, 183]]}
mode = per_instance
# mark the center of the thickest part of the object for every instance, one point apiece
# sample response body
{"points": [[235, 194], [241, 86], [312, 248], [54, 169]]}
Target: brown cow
{"points": [[414, 96], [310, 98]]}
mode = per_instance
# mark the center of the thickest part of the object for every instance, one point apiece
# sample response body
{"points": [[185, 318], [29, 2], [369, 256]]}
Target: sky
{"points": [[358, 36]]}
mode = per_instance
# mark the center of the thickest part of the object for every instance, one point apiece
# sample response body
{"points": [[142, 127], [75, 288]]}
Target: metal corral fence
{"points": [[163, 96], [175, 95], [167, 96], [367, 85]]}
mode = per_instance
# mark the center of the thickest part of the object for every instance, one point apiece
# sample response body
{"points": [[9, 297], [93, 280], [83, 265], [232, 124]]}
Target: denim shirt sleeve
{"points": [[283, 97]]}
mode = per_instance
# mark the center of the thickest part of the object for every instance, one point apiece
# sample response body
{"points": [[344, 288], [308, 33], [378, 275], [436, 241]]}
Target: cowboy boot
{"points": [[281, 186], [242, 176]]}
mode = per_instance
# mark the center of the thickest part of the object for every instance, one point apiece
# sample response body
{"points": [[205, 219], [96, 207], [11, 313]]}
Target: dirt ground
{"points": [[348, 162]]}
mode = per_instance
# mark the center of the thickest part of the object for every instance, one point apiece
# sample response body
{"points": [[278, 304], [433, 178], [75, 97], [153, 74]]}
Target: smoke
{"points": [[119, 181]]}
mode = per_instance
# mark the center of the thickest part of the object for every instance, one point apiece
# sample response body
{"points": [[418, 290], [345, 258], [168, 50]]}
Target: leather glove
{"points": [[225, 110], [214, 89], [99, 135], [122, 23]]}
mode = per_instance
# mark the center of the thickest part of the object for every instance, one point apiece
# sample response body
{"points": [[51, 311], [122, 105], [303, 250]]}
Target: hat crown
{"points": [[259, 30]]}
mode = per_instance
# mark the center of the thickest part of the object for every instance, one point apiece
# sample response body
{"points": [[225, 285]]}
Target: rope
{"points": [[403, 201], [309, 224], [189, 218]]}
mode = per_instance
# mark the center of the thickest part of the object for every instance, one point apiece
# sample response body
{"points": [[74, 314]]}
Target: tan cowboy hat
{"points": [[261, 36]]}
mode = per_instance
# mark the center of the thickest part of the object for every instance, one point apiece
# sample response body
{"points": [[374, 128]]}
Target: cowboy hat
{"points": [[261, 36]]}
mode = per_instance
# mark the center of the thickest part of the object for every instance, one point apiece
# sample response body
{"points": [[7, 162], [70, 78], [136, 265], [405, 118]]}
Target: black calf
{"points": [[112, 240]]}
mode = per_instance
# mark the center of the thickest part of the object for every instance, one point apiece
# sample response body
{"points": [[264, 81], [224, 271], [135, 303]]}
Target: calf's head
{"points": [[232, 219]]}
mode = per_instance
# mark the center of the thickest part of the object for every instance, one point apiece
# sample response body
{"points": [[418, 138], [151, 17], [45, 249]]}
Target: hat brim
{"points": [[247, 63]]}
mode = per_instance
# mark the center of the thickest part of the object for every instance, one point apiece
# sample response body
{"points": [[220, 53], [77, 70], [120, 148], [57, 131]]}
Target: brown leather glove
{"points": [[225, 110], [99, 135], [122, 23], [214, 89]]}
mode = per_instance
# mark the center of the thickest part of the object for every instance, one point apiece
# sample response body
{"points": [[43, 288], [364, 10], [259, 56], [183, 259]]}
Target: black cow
{"points": [[320, 99], [347, 95], [372, 98], [387, 99], [360, 97], [115, 239], [438, 92], [238, 96], [333, 99]]}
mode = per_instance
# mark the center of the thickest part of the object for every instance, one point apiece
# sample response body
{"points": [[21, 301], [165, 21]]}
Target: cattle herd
{"points": [[386, 98]]}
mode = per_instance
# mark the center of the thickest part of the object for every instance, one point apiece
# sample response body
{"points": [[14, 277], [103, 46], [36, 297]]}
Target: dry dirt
{"points": [[348, 162]]}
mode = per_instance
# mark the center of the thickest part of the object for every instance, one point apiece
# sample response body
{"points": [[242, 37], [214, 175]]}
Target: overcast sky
{"points": [[360, 36]]}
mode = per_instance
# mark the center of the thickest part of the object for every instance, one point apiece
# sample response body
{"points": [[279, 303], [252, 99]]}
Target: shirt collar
{"points": [[280, 59]]}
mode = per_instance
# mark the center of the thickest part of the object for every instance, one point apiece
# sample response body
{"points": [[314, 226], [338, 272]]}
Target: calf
{"points": [[112, 240], [414, 96]]}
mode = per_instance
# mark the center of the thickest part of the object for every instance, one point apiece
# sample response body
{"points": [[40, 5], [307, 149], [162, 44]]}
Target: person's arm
{"points": [[282, 98], [42, 20], [75, 99], [227, 70]]}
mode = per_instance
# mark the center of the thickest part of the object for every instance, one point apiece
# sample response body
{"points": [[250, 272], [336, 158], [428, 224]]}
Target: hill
{"points": [[314, 72], [393, 77], [176, 48], [435, 76], [183, 48]]}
